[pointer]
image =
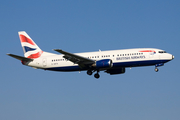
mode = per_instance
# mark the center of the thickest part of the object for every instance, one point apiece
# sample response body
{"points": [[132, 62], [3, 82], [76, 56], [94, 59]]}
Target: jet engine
{"points": [[102, 64]]}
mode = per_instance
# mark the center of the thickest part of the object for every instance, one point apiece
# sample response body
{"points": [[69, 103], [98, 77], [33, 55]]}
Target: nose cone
{"points": [[172, 56]]}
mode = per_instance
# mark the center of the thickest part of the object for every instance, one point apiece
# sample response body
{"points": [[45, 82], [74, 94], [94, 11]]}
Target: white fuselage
{"points": [[120, 58]]}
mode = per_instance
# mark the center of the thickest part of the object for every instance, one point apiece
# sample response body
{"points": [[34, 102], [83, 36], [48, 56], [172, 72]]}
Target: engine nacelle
{"points": [[115, 71], [101, 64]]}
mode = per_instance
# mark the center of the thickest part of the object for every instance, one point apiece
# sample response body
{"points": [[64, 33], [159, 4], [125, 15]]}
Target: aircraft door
{"points": [[157, 56], [154, 55], [44, 62], [151, 55]]}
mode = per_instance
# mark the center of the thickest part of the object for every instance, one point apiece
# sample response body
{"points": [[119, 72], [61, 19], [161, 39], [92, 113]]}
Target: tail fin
{"points": [[31, 50]]}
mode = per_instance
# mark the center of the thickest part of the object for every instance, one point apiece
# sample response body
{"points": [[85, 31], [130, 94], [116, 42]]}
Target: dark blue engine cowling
{"points": [[115, 71], [106, 63]]}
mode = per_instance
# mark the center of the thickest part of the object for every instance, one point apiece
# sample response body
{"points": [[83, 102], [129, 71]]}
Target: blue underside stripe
{"points": [[115, 65]]}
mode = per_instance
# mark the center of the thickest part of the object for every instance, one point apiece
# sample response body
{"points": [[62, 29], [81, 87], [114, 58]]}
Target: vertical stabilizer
{"points": [[31, 50]]}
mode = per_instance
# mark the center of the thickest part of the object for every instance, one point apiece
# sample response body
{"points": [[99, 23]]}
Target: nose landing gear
{"points": [[156, 69], [158, 65]]}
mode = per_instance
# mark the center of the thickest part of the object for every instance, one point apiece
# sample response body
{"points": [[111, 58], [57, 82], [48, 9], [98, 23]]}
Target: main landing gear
{"points": [[96, 75], [90, 72]]}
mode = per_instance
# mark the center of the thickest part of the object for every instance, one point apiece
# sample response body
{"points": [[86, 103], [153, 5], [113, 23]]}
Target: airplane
{"points": [[112, 62]]}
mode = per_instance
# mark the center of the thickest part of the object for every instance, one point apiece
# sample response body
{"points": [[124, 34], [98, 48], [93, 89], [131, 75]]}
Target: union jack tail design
{"points": [[31, 50]]}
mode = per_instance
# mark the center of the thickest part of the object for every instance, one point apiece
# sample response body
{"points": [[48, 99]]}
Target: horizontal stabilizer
{"points": [[20, 57]]}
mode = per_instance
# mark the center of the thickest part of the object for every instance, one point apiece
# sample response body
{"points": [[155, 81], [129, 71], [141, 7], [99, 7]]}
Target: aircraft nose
{"points": [[172, 56]]}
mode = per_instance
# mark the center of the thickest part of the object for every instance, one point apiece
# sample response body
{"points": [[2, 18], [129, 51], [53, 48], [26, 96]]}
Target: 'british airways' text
{"points": [[132, 57]]}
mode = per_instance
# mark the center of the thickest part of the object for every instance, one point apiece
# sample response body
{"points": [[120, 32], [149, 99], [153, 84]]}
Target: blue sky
{"points": [[83, 26]]}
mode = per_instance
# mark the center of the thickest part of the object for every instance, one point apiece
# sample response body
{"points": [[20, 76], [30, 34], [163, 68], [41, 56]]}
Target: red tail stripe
{"points": [[25, 39], [33, 56]]}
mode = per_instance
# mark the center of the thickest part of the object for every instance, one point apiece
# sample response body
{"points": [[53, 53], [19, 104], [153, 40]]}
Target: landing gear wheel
{"points": [[156, 69], [89, 72], [96, 75]]}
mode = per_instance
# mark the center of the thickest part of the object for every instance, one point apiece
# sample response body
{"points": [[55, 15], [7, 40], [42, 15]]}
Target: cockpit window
{"points": [[162, 51]]}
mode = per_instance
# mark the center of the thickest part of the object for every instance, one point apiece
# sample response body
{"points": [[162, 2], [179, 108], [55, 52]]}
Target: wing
{"points": [[76, 59], [20, 57]]}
